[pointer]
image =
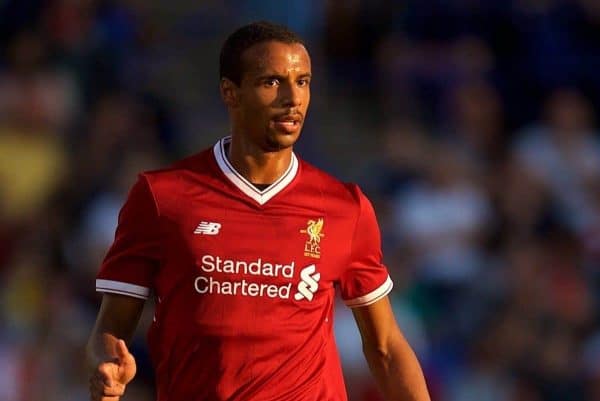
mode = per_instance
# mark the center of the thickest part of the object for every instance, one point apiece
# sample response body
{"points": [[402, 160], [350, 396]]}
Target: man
{"points": [[243, 246]]}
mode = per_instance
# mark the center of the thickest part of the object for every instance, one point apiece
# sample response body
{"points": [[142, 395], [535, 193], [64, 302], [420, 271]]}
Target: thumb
{"points": [[127, 367], [122, 351]]}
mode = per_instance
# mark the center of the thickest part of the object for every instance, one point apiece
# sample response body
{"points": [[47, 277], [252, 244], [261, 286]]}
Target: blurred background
{"points": [[472, 126]]}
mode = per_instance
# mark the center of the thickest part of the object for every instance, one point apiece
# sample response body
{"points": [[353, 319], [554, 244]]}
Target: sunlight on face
{"points": [[274, 93]]}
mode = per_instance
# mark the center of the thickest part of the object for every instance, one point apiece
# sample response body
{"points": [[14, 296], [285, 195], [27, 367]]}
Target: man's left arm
{"points": [[390, 357]]}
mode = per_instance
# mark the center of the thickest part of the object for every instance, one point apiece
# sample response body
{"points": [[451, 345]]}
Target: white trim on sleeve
{"points": [[119, 287], [373, 296]]}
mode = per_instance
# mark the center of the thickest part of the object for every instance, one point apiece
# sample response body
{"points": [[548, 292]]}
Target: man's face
{"points": [[273, 95]]}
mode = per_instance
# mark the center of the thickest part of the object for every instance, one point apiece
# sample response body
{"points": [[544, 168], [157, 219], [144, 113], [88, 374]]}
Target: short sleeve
{"points": [[133, 258], [365, 279]]}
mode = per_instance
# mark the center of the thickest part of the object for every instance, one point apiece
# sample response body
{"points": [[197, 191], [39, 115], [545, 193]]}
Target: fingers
{"points": [[104, 398], [105, 374], [103, 387], [109, 380], [102, 393]]}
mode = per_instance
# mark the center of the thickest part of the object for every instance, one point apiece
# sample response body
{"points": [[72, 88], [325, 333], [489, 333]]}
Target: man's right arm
{"points": [[111, 364]]}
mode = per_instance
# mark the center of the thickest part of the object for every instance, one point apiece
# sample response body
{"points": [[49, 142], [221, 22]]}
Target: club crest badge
{"points": [[312, 247]]}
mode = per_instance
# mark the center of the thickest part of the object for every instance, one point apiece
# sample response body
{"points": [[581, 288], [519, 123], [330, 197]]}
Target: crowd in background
{"points": [[471, 125]]}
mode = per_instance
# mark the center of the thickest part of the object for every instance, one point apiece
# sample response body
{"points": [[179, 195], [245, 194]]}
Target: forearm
{"points": [[100, 348], [117, 319], [397, 370]]}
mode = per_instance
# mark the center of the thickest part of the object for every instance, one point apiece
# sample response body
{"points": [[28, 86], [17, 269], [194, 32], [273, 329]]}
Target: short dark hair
{"points": [[230, 60]]}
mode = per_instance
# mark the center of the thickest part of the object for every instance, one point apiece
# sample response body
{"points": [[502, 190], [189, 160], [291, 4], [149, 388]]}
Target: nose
{"points": [[290, 95]]}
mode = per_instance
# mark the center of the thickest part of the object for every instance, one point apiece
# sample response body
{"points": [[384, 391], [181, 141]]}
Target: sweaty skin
{"points": [[267, 109]]}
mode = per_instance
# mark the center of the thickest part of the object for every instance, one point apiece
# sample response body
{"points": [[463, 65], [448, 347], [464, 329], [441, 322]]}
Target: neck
{"points": [[256, 165]]}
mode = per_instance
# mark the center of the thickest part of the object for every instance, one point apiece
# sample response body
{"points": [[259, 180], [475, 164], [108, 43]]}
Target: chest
{"points": [[291, 251], [279, 236]]}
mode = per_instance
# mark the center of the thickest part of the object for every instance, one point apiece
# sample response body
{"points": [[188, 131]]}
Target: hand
{"points": [[110, 378]]}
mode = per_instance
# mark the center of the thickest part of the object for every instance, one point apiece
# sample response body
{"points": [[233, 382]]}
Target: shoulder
{"points": [[343, 194], [182, 179]]}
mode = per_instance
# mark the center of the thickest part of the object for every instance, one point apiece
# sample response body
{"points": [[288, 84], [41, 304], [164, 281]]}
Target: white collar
{"points": [[260, 196]]}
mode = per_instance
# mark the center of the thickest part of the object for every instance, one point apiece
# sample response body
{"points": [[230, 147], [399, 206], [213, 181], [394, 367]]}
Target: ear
{"points": [[229, 92]]}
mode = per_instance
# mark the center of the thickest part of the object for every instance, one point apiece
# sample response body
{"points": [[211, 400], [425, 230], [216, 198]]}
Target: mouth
{"points": [[289, 123]]}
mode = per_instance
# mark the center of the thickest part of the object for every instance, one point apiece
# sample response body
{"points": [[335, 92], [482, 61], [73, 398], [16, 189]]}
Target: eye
{"points": [[271, 82], [303, 82]]}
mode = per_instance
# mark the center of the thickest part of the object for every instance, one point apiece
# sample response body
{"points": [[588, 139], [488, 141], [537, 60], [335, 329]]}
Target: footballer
{"points": [[244, 247]]}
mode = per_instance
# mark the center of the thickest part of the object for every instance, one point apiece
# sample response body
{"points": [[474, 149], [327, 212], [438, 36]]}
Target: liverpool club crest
{"points": [[312, 246]]}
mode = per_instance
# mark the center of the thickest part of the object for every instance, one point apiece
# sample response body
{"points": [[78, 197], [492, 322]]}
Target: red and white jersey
{"points": [[245, 279]]}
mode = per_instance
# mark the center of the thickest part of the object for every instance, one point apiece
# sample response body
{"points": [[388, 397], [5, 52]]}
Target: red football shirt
{"points": [[245, 279]]}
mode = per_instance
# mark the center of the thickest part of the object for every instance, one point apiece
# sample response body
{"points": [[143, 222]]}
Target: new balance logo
{"points": [[207, 228], [309, 283]]}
